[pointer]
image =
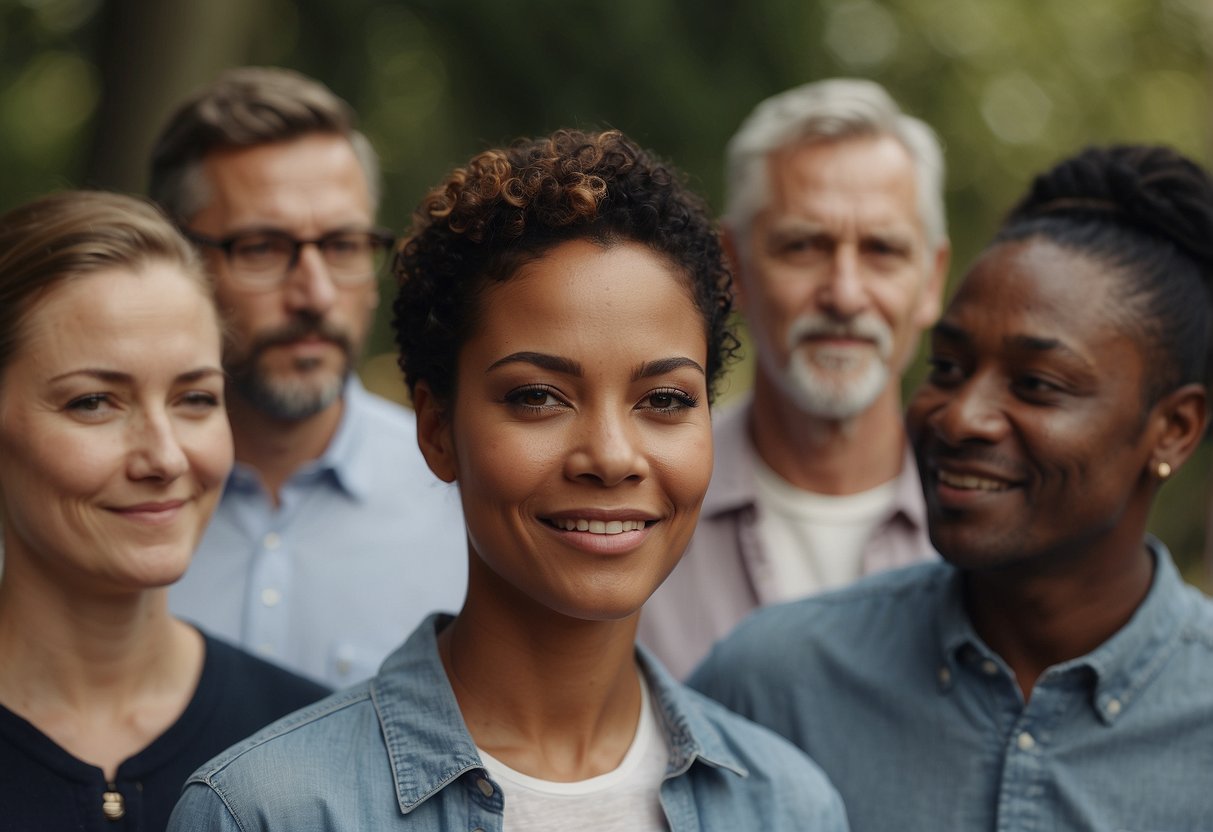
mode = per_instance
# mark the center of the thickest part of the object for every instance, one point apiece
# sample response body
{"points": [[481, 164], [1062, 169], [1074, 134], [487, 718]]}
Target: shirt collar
{"points": [[349, 457], [430, 747], [1121, 667]]}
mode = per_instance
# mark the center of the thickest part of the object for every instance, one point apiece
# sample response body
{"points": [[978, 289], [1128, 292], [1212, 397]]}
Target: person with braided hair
{"points": [[562, 318], [1054, 673]]}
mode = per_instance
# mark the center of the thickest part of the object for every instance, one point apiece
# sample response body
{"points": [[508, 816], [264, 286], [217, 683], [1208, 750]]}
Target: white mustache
{"points": [[866, 327]]}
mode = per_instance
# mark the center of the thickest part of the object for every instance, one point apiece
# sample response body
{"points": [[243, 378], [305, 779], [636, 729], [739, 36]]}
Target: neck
{"points": [[277, 448], [827, 456], [554, 697], [101, 675], [1039, 616]]}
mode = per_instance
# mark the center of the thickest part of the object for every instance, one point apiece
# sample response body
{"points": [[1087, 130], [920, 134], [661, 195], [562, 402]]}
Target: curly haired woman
{"points": [[561, 320]]}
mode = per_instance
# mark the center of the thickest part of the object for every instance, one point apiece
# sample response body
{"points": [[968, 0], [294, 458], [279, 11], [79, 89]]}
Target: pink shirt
{"points": [[723, 575]]}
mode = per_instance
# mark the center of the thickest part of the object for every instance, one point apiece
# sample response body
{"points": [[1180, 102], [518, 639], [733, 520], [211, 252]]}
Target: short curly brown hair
{"points": [[509, 206]]}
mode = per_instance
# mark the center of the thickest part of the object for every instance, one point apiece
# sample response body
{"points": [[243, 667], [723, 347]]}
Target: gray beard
{"points": [[288, 401]]}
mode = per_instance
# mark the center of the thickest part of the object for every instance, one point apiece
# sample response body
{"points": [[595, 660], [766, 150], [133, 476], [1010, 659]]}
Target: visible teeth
{"points": [[599, 526], [971, 482]]}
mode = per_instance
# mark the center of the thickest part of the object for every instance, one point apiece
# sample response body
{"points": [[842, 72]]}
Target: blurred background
{"points": [[1010, 85]]}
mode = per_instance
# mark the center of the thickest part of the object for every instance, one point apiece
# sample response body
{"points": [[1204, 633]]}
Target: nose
{"points": [[843, 293], [608, 451], [156, 453], [309, 287], [971, 412]]}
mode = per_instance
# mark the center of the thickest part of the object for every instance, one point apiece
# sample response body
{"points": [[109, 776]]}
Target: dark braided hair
{"points": [[509, 206], [1147, 212]]}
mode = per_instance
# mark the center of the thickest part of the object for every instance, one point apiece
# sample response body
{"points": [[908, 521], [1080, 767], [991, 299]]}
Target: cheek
{"points": [[209, 448], [684, 460]]}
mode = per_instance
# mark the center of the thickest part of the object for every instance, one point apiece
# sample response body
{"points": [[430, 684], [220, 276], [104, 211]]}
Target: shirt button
{"points": [[272, 540], [1113, 707], [1025, 741], [270, 596], [989, 667], [486, 788], [945, 676], [265, 648]]}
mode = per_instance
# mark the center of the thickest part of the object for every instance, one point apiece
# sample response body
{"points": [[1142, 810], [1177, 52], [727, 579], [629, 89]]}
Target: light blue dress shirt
{"points": [[922, 727], [365, 543], [394, 753]]}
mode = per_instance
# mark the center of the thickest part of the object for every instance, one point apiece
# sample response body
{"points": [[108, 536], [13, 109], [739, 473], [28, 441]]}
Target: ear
{"points": [[930, 302], [732, 257], [434, 435], [1178, 420]]}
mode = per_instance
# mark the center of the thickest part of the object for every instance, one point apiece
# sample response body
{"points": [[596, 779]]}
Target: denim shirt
{"points": [[394, 753], [921, 726]]}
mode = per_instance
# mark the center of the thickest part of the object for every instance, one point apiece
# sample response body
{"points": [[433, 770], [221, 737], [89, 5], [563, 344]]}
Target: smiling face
{"points": [[579, 435], [292, 346], [1032, 433], [113, 439], [836, 277]]}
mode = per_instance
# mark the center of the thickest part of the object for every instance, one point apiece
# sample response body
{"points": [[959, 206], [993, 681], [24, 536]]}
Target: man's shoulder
{"points": [[876, 612]]}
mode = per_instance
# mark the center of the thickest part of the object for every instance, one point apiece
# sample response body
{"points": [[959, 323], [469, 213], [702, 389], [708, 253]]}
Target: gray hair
{"points": [[244, 107], [837, 108]]}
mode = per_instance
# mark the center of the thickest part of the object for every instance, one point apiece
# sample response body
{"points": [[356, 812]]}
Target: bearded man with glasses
{"points": [[330, 541]]}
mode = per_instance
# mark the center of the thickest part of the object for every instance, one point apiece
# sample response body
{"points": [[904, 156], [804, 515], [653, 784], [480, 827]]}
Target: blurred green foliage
{"points": [[1010, 85]]}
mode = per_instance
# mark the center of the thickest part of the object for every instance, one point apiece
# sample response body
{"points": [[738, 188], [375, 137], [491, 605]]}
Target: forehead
{"points": [[869, 180], [606, 304], [1036, 288], [313, 179], [122, 312]]}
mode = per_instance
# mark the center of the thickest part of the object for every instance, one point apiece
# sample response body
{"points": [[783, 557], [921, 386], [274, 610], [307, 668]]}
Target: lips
{"points": [[971, 482], [151, 513], [598, 526]]}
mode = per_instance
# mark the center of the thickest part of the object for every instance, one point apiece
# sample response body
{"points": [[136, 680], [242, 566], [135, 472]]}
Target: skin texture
{"points": [[1037, 453], [839, 247], [581, 394], [115, 447], [301, 338]]}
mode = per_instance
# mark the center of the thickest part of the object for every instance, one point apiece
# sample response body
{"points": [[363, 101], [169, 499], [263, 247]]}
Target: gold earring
{"points": [[1164, 470]]}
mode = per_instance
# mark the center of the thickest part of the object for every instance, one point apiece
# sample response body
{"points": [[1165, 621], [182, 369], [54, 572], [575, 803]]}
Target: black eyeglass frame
{"points": [[380, 237]]}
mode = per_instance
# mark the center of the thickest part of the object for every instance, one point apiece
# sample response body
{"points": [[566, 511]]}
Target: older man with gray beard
{"points": [[836, 230]]}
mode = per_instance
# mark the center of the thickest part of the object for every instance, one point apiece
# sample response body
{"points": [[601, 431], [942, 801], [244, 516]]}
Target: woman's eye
{"points": [[533, 398], [90, 404], [669, 401], [201, 400]]}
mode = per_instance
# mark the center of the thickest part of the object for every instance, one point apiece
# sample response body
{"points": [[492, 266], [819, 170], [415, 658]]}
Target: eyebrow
{"points": [[118, 377], [540, 359], [1021, 343], [567, 366], [665, 365]]}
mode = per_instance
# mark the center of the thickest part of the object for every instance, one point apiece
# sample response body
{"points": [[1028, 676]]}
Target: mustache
{"points": [[300, 327], [864, 327]]}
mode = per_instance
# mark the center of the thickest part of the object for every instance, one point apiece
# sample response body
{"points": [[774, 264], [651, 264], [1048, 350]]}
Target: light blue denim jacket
{"points": [[394, 753], [922, 726]]}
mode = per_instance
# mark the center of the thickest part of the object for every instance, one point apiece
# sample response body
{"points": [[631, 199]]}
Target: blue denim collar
{"points": [[428, 743], [1120, 668]]}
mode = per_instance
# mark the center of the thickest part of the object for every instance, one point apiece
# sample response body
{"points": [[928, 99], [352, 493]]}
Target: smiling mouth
{"points": [[969, 482], [599, 526]]}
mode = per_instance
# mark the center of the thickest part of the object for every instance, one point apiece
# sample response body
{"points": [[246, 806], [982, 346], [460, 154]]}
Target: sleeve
{"points": [[201, 809]]}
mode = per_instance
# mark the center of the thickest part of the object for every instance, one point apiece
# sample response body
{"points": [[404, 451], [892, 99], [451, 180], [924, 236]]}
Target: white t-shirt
{"points": [[814, 542], [623, 800]]}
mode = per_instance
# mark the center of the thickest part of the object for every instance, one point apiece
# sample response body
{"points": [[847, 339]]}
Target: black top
{"points": [[45, 789]]}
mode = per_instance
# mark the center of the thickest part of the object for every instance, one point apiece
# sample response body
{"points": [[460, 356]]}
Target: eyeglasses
{"points": [[261, 260]]}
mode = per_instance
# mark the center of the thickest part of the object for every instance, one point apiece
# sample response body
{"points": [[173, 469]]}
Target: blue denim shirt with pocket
{"points": [[923, 728], [394, 753]]}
